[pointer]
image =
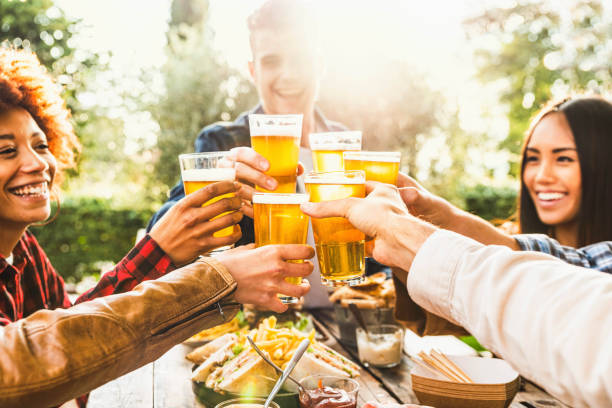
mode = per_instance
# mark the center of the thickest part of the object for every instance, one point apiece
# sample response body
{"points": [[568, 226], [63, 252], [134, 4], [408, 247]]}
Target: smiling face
{"points": [[27, 168], [551, 172], [286, 71]]}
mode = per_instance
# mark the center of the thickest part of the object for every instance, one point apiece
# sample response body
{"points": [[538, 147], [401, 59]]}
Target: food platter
{"points": [[228, 366], [246, 319]]}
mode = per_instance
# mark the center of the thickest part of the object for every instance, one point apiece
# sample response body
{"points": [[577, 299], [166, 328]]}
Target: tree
{"points": [[395, 112], [541, 51], [40, 26], [200, 89]]}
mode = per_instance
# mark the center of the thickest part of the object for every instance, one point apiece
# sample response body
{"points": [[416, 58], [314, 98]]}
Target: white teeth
{"points": [[550, 196], [38, 189]]}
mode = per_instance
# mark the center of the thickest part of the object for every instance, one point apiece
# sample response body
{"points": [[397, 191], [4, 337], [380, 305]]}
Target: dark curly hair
{"points": [[25, 83]]}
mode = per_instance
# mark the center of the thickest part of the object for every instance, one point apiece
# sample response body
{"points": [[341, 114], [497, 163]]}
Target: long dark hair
{"points": [[590, 119]]}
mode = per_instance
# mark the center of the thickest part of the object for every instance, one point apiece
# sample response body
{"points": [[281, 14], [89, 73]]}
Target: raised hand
{"points": [[186, 230], [379, 215], [261, 272], [250, 171]]}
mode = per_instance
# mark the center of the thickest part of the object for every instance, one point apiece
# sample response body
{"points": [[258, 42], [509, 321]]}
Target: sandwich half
{"points": [[245, 374], [320, 359], [201, 353]]}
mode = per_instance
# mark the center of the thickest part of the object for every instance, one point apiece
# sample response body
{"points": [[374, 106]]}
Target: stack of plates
{"points": [[495, 385]]}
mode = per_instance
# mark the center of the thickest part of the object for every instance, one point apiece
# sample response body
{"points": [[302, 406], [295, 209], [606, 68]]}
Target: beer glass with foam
{"points": [[279, 220], [277, 138], [339, 245], [199, 170], [378, 166], [327, 149]]}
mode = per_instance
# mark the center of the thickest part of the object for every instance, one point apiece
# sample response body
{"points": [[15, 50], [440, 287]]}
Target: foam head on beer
{"points": [[340, 246], [378, 166], [199, 170], [327, 149], [277, 138]]}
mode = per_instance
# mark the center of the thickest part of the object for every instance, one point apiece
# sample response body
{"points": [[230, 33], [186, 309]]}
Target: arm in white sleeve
{"points": [[552, 321]]}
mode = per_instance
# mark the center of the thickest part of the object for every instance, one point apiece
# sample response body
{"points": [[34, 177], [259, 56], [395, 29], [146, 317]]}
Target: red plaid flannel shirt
{"points": [[31, 283]]}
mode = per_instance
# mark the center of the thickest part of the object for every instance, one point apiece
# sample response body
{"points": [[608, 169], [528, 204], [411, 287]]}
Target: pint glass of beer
{"points": [[277, 138], [201, 169], [340, 246], [378, 166], [327, 149], [279, 220]]}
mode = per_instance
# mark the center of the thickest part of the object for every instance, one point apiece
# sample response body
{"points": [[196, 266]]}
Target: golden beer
{"points": [[378, 166], [340, 246], [279, 220], [282, 152], [201, 169], [327, 149], [195, 179], [277, 138]]}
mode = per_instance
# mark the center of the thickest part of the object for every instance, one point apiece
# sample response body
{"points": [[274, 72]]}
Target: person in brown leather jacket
{"points": [[53, 356], [44, 350]]}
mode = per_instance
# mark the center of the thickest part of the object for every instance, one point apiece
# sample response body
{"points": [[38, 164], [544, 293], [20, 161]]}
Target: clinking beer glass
{"points": [[327, 149], [199, 170], [378, 166], [277, 138], [279, 220], [340, 246]]}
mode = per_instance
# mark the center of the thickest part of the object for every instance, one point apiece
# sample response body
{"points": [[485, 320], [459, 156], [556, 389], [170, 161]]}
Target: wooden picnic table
{"points": [[166, 383]]}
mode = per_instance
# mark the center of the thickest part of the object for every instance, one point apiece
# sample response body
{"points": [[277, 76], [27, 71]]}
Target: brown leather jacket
{"points": [[55, 355]]}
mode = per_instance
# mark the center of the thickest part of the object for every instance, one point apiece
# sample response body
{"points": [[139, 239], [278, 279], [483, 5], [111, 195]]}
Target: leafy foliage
{"points": [[37, 25], [89, 233], [541, 51], [200, 89], [394, 112], [490, 203]]}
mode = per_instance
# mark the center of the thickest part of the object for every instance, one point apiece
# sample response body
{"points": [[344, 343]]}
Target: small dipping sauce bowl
{"points": [[245, 402], [328, 391], [383, 347]]}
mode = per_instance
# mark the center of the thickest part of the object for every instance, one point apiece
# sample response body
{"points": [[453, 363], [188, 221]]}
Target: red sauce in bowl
{"points": [[327, 397]]}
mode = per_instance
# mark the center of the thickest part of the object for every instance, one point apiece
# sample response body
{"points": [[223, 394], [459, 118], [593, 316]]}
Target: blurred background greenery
{"points": [[529, 51]]}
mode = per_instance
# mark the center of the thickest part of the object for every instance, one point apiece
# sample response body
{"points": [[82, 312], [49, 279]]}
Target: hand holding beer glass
{"points": [[279, 220], [199, 170], [277, 138], [327, 149], [340, 246], [378, 166]]}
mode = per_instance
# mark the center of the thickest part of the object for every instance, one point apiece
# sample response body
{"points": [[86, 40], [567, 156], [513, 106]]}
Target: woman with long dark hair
{"points": [[563, 205], [566, 173], [565, 193]]}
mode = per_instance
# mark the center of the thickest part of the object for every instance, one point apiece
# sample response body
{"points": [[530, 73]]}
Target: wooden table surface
{"points": [[165, 383]]}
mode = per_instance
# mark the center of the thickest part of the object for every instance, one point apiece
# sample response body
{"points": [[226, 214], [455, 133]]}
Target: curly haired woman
{"points": [[37, 143]]}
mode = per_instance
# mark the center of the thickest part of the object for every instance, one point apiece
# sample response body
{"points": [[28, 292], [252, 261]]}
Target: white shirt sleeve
{"points": [[552, 321]]}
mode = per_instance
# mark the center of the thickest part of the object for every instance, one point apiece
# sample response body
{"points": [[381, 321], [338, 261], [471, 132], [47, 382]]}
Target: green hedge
{"points": [[490, 202], [88, 233]]}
